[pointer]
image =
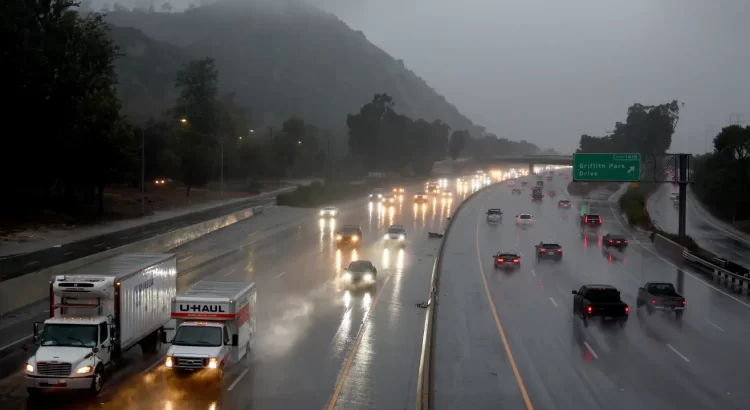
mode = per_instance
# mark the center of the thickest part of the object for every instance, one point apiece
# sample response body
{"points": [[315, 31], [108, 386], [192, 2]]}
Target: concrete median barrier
{"points": [[33, 287]]}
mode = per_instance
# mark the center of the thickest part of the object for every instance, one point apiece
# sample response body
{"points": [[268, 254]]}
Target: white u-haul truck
{"points": [[98, 312], [214, 327]]}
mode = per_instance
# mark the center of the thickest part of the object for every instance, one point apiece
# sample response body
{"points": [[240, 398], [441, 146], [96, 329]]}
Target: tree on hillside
{"points": [[198, 143], [735, 141], [458, 143], [167, 7], [59, 68], [364, 129]]}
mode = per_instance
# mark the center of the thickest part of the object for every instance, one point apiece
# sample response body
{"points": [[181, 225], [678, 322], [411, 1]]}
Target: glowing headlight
{"points": [[322, 213], [380, 195], [84, 370], [368, 277], [213, 363], [347, 276], [29, 368], [402, 237], [355, 238], [338, 237], [168, 362], [386, 236]]}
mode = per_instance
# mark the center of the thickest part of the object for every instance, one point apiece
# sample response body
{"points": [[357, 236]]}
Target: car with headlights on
{"points": [[396, 234], [329, 212], [447, 195], [350, 235], [376, 195], [388, 200], [494, 215], [516, 191], [421, 197], [398, 190], [360, 273]]}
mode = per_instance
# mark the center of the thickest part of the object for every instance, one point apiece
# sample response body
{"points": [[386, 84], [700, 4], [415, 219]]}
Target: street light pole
{"points": [[221, 142]]}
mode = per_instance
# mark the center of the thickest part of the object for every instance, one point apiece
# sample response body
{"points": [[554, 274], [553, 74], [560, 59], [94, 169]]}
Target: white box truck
{"points": [[97, 312], [214, 327]]}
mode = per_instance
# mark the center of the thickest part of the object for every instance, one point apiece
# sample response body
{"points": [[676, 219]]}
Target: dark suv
{"points": [[349, 235], [549, 251], [591, 220]]}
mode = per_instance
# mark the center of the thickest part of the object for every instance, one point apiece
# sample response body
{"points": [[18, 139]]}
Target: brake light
{"points": [[586, 220], [559, 251], [683, 303], [600, 219], [516, 261], [542, 249], [627, 309], [653, 302], [625, 241], [500, 259], [589, 310], [611, 241]]}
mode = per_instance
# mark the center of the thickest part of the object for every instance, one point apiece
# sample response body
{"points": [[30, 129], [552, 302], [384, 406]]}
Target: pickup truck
{"points": [[660, 296], [600, 301]]}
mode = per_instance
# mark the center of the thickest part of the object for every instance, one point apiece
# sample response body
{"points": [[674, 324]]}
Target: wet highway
{"points": [[320, 344], [12, 266], [509, 339], [703, 227]]}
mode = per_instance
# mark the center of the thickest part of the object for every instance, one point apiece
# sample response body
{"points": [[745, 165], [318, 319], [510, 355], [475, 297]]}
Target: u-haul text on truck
{"points": [[97, 312], [214, 327]]}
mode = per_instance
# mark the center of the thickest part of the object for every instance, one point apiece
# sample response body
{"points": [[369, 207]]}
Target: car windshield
{"points": [[198, 336], [524, 216], [396, 230], [593, 217], [494, 212], [420, 193], [360, 266], [550, 245], [70, 335], [507, 256], [661, 289], [615, 237], [329, 208], [603, 295], [564, 201], [349, 230]]}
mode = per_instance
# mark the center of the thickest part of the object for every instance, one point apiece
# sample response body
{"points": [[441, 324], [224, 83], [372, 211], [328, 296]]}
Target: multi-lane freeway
{"points": [[319, 345], [510, 340], [709, 233]]}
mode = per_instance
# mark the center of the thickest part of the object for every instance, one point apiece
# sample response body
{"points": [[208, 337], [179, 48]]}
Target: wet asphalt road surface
{"points": [[509, 339], [321, 344]]}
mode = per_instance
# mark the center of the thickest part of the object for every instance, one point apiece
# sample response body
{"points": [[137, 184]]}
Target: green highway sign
{"points": [[607, 167]]}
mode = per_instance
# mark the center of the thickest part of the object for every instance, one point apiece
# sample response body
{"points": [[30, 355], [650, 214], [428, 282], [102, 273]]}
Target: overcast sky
{"points": [[550, 70]]}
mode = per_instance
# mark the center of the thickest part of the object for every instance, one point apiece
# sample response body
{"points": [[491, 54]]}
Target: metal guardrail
{"points": [[736, 281]]}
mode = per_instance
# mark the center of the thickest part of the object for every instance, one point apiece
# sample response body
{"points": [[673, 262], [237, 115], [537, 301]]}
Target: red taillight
{"points": [[542, 249], [589, 310], [611, 241], [683, 303], [627, 309], [625, 241], [600, 219], [586, 220], [516, 261], [500, 259], [559, 251], [653, 302]]}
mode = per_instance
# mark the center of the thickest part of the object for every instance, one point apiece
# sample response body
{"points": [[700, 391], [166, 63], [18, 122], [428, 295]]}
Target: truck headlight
{"points": [[355, 238], [168, 362], [368, 277], [29, 368], [213, 363], [85, 370], [386, 236]]}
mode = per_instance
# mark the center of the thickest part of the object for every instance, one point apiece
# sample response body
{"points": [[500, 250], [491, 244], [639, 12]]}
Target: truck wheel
{"points": [[152, 343], [97, 382]]}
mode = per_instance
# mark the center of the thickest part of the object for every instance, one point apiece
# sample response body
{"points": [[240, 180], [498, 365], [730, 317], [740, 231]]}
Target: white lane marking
{"points": [[678, 353], [279, 275], [719, 244], [533, 272], [590, 349], [553, 301], [677, 267], [98, 245], [714, 325], [11, 344], [67, 253], [32, 263], [151, 367], [237, 380], [229, 272]]}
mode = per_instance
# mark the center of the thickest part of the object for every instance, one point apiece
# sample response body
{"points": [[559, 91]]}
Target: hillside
{"points": [[280, 59]]}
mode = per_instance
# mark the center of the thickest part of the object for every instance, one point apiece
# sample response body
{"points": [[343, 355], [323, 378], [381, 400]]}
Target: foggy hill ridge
{"points": [[282, 59]]}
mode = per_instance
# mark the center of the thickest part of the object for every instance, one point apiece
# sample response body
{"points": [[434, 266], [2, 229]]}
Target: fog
{"points": [[548, 70]]}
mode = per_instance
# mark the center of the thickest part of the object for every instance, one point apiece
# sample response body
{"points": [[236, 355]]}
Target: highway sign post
{"points": [[607, 167]]}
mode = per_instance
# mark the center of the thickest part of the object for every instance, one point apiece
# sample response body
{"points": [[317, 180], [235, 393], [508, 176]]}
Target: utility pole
{"points": [[735, 119], [683, 160], [221, 143]]}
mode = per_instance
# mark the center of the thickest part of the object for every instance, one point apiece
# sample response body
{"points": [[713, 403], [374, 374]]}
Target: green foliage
{"points": [[59, 73], [281, 59], [490, 145], [458, 142], [647, 130], [317, 194], [722, 178], [633, 204], [388, 141]]}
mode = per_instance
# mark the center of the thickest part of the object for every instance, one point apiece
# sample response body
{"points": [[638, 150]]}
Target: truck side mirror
{"points": [[36, 332], [575, 292], [163, 336], [235, 340], [641, 288]]}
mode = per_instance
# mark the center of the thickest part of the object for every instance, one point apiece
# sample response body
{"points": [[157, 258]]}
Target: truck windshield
{"points": [[603, 296], [197, 336], [70, 335]]}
